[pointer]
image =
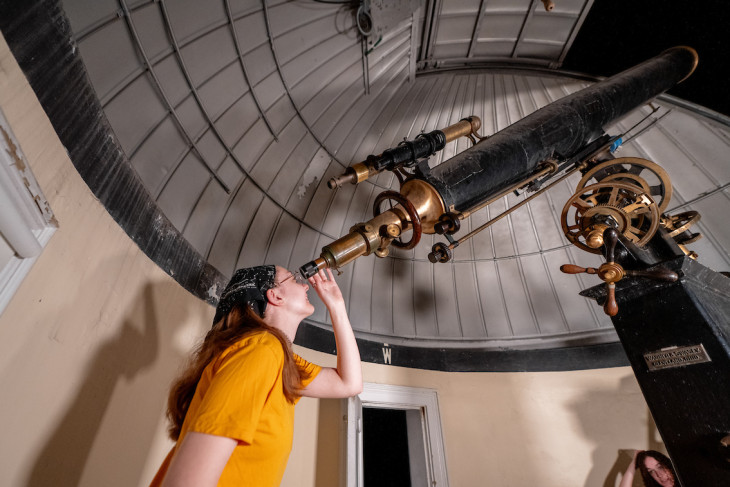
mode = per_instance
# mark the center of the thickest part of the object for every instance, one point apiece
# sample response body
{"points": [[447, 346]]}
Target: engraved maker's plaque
{"points": [[676, 357]]}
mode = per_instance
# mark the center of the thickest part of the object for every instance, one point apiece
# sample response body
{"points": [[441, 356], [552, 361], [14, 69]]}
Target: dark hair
{"points": [[236, 324], [661, 458]]}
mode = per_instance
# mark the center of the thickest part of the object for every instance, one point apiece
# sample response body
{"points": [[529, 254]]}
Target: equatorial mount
{"points": [[622, 206], [622, 200]]}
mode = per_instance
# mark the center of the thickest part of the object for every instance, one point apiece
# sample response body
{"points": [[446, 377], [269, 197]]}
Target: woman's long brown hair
{"points": [[239, 322], [661, 458]]}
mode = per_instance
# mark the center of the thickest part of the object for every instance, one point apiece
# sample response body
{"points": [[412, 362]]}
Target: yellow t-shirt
{"points": [[240, 396]]}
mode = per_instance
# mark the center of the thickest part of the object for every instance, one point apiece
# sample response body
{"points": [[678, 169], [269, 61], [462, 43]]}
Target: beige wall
{"points": [[511, 429], [95, 333]]}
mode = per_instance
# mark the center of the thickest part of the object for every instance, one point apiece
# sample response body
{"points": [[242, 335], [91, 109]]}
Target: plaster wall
{"points": [[93, 335], [96, 332], [503, 429]]}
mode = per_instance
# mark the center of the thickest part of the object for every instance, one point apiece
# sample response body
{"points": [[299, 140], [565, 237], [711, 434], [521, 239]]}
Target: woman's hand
{"points": [[327, 289]]}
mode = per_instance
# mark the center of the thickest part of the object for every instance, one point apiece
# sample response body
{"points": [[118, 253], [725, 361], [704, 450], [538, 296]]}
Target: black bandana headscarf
{"points": [[247, 286]]}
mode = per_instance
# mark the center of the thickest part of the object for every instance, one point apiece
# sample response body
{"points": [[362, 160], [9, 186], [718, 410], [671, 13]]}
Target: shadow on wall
{"points": [[105, 436], [603, 425]]}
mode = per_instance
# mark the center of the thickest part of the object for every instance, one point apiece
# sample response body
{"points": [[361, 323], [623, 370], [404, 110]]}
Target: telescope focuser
{"points": [[414, 210], [408, 152]]}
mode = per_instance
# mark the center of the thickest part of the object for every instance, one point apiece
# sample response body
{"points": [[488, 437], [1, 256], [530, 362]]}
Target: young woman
{"points": [[655, 468], [232, 411]]}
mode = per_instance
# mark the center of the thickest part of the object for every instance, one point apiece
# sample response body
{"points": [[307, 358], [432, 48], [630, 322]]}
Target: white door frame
{"points": [[393, 397]]}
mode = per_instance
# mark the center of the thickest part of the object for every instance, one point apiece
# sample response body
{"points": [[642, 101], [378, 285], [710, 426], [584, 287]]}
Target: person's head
{"points": [[287, 299], [269, 291], [255, 299], [656, 469]]}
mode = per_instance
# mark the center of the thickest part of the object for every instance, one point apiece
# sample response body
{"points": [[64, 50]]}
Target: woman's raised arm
{"points": [[346, 379], [628, 479]]}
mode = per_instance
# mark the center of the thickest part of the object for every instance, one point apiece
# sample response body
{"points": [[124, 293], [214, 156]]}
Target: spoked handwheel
{"points": [[611, 271], [633, 170]]}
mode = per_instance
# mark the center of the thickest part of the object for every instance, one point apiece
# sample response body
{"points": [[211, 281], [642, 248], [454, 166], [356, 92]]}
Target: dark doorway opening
{"points": [[385, 448]]}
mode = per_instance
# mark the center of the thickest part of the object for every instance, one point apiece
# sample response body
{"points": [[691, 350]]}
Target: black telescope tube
{"points": [[561, 128]]}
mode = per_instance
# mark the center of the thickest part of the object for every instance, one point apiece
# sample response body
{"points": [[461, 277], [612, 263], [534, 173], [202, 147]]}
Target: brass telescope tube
{"points": [[422, 204], [407, 153], [463, 128]]}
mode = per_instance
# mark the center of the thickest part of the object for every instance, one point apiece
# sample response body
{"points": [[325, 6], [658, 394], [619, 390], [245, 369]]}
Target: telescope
{"points": [[618, 202], [674, 317]]}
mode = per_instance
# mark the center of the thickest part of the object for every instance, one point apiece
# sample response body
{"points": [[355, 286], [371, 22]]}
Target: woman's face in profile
{"points": [[658, 472], [294, 288]]}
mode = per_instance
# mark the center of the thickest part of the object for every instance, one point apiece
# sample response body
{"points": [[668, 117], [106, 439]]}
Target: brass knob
{"points": [[595, 238], [611, 272], [393, 230], [382, 252]]}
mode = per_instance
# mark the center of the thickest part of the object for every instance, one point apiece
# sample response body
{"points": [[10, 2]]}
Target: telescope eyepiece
{"points": [[309, 269]]}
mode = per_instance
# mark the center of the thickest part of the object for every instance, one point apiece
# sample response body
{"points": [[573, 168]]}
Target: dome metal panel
{"points": [[235, 116]]}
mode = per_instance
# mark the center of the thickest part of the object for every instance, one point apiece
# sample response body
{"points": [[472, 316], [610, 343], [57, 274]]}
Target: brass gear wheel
{"points": [[680, 222], [649, 176], [677, 225], [621, 205]]}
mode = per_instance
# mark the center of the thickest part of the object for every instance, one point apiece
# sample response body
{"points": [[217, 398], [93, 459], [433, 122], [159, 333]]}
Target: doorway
{"points": [[393, 438]]}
